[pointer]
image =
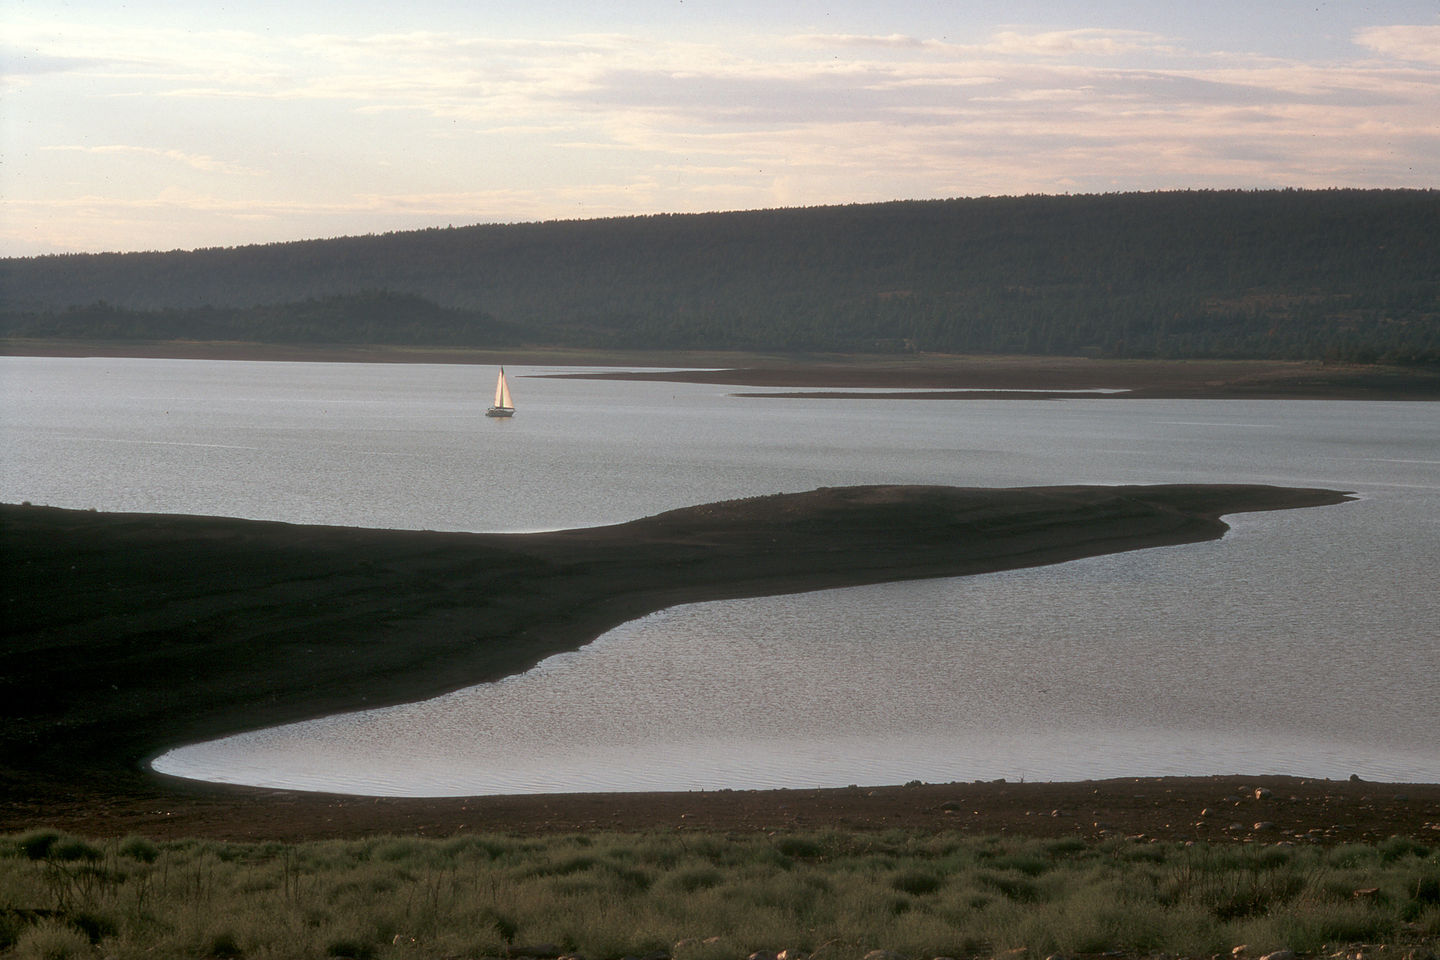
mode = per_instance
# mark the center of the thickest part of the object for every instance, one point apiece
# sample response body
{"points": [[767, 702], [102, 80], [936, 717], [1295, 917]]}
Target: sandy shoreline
{"points": [[828, 375], [1058, 378], [128, 634], [1161, 808]]}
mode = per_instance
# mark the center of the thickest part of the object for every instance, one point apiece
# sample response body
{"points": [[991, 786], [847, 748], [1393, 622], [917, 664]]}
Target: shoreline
{"points": [[830, 376], [1215, 809], [131, 634]]}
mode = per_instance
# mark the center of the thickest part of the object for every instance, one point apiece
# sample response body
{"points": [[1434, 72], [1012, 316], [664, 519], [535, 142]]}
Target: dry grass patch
{"points": [[701, 896]]}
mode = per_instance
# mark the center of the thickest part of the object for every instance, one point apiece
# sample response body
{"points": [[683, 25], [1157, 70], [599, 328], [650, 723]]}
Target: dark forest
{"points": [[1293, 274]]}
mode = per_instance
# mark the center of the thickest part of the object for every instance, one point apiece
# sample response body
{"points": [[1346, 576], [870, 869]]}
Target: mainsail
{"points": [[502, 391], [504, 407]]}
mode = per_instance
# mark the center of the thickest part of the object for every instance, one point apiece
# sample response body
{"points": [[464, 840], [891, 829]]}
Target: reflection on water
{"points": [[1304, 642]]}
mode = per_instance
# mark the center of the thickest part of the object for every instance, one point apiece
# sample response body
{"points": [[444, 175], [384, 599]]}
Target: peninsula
{"points": [[130, 634]]}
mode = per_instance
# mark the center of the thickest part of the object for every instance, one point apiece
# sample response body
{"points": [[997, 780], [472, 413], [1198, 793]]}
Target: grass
{"points": [[701, 896]]}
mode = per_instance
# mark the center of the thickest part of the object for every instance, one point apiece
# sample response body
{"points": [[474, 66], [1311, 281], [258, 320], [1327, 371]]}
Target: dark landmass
{"points": [[835, 375], [129, 634], [1294, 274]]}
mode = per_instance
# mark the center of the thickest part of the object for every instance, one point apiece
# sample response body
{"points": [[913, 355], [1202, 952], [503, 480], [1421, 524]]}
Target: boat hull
{"points": [[500, 412]]}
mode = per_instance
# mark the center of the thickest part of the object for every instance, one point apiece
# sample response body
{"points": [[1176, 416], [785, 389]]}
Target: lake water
{"points": [[1304, 642]]}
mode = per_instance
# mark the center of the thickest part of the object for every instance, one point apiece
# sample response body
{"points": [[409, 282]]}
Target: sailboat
{"points": [[503, 405]]}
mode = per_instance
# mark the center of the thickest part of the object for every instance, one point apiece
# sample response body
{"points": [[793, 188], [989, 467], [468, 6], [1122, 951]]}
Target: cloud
{"points": [[194, 161], [1420, 44], [17, 62], [1089, 41], [358, 132], [1084, 42], [894, 40]]}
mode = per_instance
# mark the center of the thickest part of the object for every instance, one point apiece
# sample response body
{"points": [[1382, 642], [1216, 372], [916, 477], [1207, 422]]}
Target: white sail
{"points": [[502, 391], [504, 407]]}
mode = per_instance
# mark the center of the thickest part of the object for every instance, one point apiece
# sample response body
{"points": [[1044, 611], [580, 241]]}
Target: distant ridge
{"points": [[1293, 274]]}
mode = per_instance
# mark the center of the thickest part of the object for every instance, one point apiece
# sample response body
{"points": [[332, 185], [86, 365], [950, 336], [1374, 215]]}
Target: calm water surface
{"points": [[1304, 642]]}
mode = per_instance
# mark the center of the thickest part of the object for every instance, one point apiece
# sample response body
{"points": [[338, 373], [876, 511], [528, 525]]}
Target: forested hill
{"points": [[1349, 274]]}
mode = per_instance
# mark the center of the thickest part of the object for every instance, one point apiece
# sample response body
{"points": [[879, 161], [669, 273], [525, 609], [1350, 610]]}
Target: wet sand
{"points": [[130, 634], [1055, 378]]}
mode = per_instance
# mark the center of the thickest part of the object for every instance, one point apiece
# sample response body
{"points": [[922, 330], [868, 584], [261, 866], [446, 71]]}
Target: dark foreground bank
{"points": [[128, 634]]}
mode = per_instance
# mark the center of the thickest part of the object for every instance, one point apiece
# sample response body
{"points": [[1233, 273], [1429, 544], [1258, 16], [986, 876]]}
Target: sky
{"points": [[180, 124]]}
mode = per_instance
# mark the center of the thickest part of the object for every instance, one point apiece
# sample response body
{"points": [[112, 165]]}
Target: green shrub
{"points": [[568, 866], [10, 927], [1066, 846], [95, 924], [1397, 848], [138, 848], [223, 945], [36, 844], [1019, 889], [917, 883], [505, 927], [1031, 866], [1248, 896], [350, 949], [799, 848], [1311, 930], [696, 878], [71, 849], [51, 940], [898, 905]]}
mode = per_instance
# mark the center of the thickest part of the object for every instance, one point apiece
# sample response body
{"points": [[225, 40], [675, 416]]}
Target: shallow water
{"points": [[1304, 642], [1155, 662]]}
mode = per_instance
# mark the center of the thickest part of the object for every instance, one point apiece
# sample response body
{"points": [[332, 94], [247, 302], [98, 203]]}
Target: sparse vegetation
{"points": [[696, 896]]}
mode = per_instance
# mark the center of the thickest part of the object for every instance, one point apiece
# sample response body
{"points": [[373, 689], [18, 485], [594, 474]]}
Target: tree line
{"points": [[1342, 274]]}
